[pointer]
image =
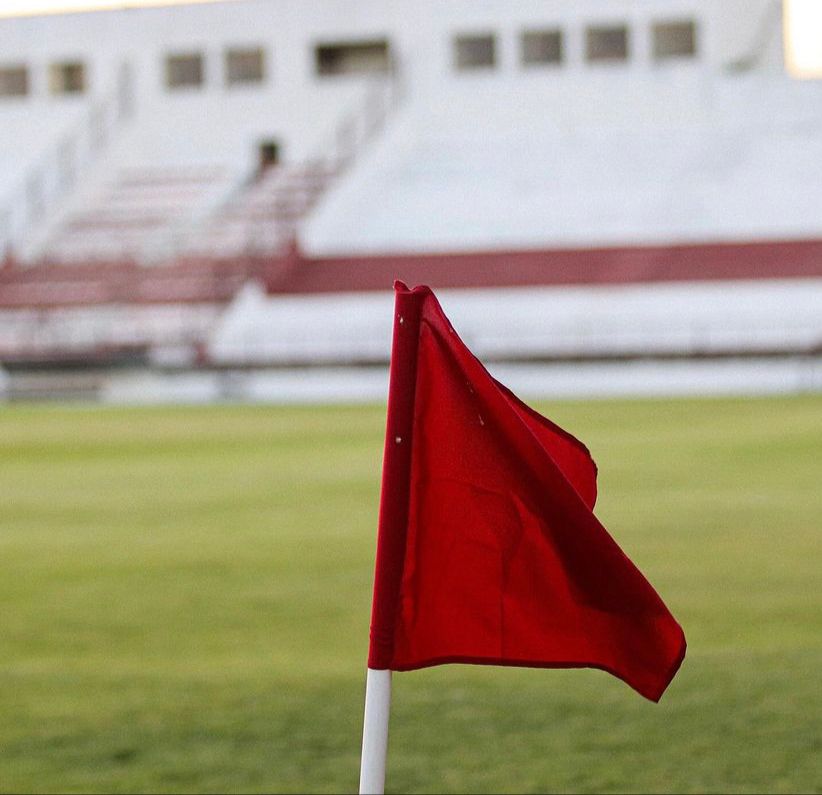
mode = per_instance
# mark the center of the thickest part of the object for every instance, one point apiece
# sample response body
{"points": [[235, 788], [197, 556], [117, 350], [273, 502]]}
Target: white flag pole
{"points": [[391, 533], [375, 732]]}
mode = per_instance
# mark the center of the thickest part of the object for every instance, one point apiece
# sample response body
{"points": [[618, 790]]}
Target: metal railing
{"points": [[768, 29], [277, 202], [57, 172]]}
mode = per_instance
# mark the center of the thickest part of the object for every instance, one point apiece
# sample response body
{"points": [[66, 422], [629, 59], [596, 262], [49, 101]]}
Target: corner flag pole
{"points": [[375, 732], [391, 532]]}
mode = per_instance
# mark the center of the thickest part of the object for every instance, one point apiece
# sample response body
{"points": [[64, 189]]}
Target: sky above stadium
{"points": [[804, 37], [803, 23], [10, 8]]}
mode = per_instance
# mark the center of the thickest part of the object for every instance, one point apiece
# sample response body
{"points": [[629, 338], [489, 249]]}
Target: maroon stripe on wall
{"points": [[204, 280], [616, 265]]}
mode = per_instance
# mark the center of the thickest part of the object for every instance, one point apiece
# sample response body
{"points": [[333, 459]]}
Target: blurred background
{"points": [[201, 201], [203, 207]]}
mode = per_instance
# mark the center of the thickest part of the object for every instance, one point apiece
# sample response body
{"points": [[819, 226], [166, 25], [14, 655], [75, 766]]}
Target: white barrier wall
{"points": [[739, 377], [674, 319]]}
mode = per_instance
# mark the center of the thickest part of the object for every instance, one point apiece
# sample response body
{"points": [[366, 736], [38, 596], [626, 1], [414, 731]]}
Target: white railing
{"points": [[354, 132], [55, 175], [278, 212], [768, 30]]}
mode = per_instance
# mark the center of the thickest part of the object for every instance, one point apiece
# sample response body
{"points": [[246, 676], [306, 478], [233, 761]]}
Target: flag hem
{"points": [[652, 694]]}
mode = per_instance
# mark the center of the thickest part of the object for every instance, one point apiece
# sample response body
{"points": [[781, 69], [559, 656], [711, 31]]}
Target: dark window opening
{"points": [[356, 57], [604, 44], [268, 155], [184, 71], [542, 47], [14, 81], [67, 78], [475, 52], [244, 66], [674, 40]]}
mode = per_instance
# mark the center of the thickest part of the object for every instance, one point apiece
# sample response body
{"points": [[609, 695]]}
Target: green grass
{"points": [[185, 592]]}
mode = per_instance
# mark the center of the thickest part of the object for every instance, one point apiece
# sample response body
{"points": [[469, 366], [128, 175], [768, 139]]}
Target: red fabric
{"points": [[489, 551]]}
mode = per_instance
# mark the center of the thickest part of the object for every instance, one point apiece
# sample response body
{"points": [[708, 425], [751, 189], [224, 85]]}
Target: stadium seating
{"points": [[103, 334], [113, 311], [437, 187], [140, 214]]}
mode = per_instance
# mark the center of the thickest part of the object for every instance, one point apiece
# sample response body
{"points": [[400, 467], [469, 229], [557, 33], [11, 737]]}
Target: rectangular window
{"points": [[67, 78], [606, 43], [475, 52], [14, 81], [244, 66], [184, 70], [353, 57], [541, 47], [674, 40]]}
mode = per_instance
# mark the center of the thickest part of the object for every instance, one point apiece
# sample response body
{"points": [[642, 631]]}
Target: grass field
{"points": [[185, 592]]}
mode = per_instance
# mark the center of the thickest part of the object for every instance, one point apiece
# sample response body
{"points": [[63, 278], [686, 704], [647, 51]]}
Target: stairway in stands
{"points": [[263, 216]]}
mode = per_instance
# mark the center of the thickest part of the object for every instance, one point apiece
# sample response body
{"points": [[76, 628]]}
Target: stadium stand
{"points": [[177, 194]]}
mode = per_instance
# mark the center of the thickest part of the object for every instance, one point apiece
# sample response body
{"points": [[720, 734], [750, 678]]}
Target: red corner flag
{"points": [[488, 550]]}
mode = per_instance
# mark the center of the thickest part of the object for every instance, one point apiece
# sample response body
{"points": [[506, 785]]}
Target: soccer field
{"points": [[185, 596]]}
